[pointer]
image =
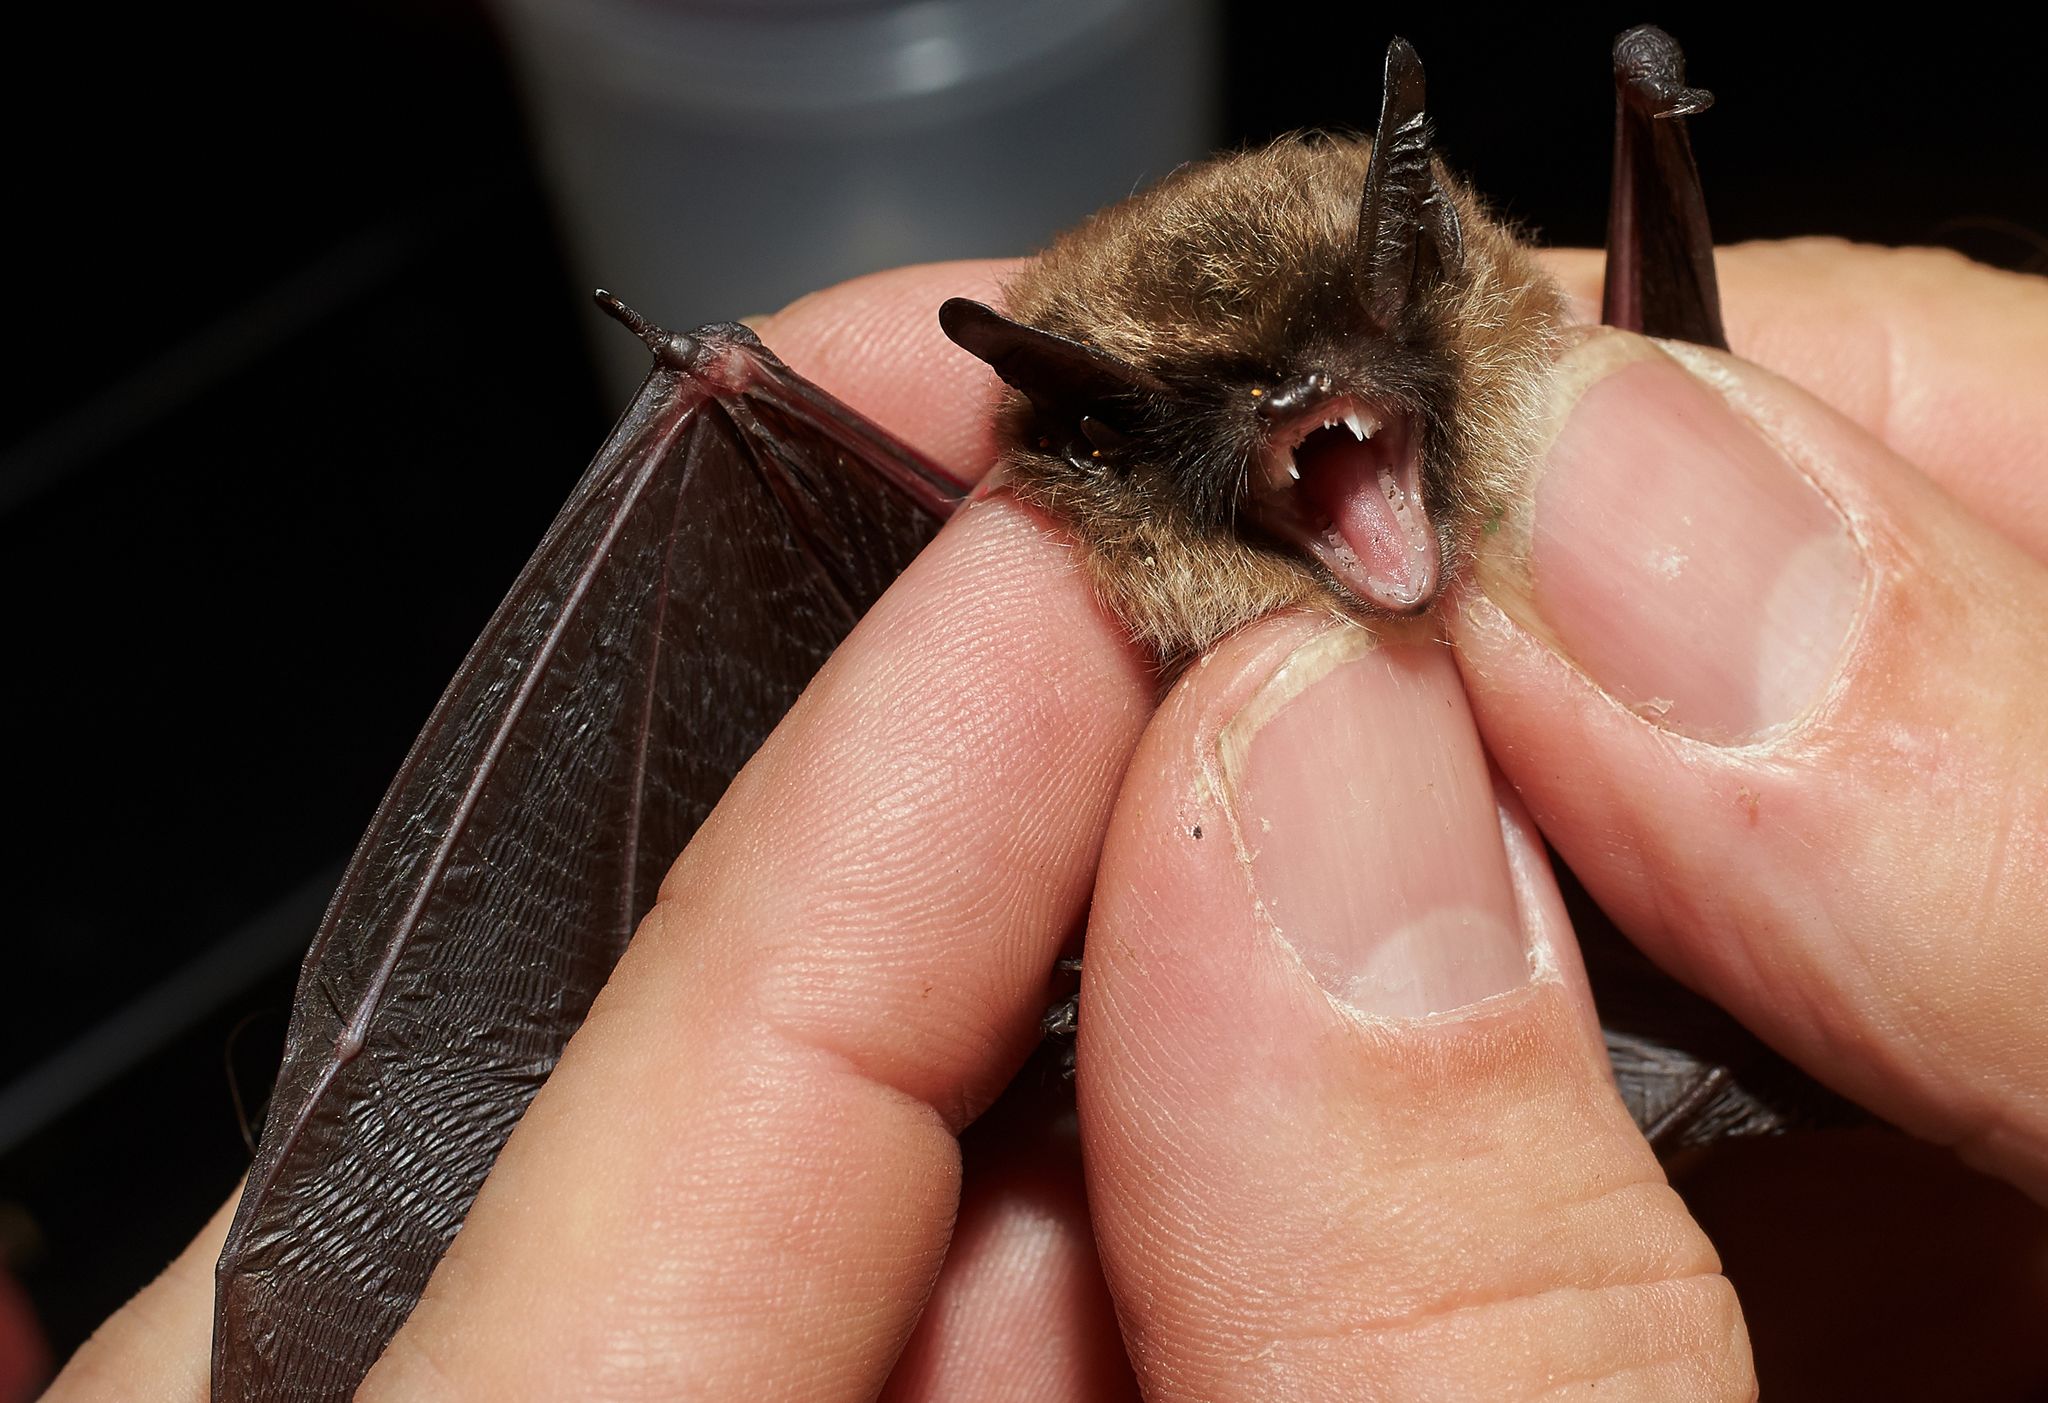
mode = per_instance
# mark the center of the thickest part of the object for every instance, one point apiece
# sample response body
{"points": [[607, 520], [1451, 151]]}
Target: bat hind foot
{"points": [[1062, 1019]]}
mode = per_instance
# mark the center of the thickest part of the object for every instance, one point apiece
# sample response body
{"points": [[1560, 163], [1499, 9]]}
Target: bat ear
{"points": [[1408, 233], [1069, 383]]}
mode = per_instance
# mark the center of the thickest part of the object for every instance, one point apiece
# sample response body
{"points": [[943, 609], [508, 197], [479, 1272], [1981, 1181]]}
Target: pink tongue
{"points": [[1381, 544]]}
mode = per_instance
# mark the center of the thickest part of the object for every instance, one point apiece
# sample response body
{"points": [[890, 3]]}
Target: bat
{"points": [[1290, 377]]}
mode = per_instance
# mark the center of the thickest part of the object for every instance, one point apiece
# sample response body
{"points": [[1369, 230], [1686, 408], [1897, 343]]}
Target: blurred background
{"points": [[304, 364]]}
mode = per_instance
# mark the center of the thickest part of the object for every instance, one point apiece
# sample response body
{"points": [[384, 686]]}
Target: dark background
{"points": [[300, 375]]}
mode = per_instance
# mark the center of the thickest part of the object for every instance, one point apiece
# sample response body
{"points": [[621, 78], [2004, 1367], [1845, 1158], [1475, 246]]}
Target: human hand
{"points": [[1452, 1207], [742, 1179]]}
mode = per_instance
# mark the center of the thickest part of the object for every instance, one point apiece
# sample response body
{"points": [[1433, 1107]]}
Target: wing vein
{"points": [[637, 808], [776, 479], [351, 1040]]}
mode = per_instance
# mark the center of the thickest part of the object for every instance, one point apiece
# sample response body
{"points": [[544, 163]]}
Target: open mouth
{"points": [[1343, 481]]}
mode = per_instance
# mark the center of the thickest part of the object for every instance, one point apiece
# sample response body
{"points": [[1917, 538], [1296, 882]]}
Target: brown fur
{"points": [[1231, 274]]}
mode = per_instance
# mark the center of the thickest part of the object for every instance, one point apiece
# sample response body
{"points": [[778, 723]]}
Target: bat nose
{"points": [[1290, 397]]}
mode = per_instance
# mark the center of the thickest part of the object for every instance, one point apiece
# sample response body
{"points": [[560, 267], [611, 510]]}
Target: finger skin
{"points": [[154, 1349], [876, 343], [741, 1179], [1020, 1313], [1942, 359], [1293, 1203], [1020, 1309], [1864, 888]]}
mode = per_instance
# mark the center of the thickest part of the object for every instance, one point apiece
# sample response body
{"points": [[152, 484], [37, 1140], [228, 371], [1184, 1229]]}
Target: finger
{"points": [[1020, 1312], [1939, 357], [1775, 698], [741, 1178], [875, 342], [154, 1349], [1349, 1130]]}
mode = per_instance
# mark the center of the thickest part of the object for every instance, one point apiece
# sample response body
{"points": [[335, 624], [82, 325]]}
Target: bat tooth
{"points": [[1280, 470], [1358, 428]]}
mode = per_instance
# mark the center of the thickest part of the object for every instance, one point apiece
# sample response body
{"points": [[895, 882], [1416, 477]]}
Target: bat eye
{"points": [[1101, 442]]}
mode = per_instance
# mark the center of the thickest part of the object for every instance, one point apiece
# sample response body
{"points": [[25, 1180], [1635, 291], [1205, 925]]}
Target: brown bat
{"points": [[1297, 376]]}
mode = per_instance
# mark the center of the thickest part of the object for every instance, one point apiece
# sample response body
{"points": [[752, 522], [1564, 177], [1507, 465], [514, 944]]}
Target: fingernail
{"points": [[1676, 555], [1367, 817]]}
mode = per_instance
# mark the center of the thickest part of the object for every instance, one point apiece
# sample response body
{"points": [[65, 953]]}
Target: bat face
{"points": [[1292, 376]]}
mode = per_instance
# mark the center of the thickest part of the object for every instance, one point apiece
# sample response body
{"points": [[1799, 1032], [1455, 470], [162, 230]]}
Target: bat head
{"points": [[1295, 375]]}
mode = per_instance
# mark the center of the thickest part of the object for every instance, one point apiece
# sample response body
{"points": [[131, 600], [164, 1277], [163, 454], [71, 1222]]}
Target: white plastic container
{"points": [[712, 159]]}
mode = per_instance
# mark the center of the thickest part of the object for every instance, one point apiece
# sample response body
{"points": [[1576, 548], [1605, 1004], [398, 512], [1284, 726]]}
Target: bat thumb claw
{"points": [[666, 345], [1649, 68]]}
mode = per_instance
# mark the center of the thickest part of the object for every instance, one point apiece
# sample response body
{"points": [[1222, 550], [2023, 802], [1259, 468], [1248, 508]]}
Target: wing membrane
{"points": [[734, 528]]}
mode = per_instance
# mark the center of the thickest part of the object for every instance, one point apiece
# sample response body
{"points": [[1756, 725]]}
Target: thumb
{"points": [[1345, 1111], [1779, 703]]}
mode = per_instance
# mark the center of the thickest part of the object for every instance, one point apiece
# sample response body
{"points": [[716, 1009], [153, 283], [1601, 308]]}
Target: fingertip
{"points": [[1173, 944], [1581, 273], [1020, 1308], [743, 1172], [875, 342], [156, 1347], [1316, 1119], [1789, 753], [1935, 354]]}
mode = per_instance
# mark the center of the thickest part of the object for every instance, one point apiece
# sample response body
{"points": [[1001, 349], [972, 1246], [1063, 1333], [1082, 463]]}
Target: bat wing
{"points": [[1689, 1073], [734, 527], [1660, 251]]}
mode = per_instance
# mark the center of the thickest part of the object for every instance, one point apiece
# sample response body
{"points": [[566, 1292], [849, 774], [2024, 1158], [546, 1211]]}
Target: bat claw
{"points": [[672, 347], [1062, 1021], [1649, 67], [1660, 251]]}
